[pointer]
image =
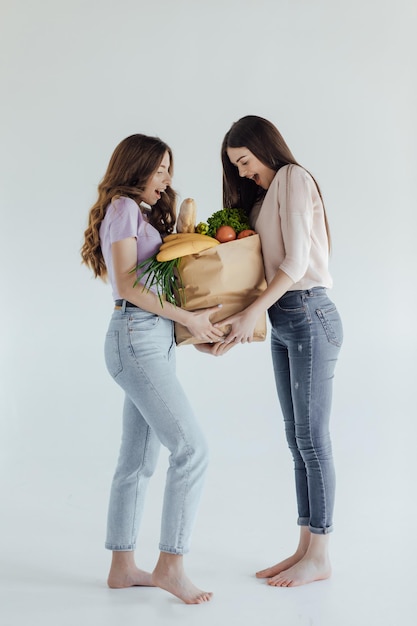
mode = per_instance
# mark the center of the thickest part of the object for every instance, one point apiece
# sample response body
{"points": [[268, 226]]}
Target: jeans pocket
{"points": [[332, 325], [290, 302], [142, 322], [112, 353]]}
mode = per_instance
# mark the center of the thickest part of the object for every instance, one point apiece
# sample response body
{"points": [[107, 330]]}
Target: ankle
{"points": [[318, 550], [169, 562]]}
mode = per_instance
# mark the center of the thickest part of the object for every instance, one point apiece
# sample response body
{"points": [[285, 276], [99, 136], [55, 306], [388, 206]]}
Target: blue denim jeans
{"points": [[140, 356], [306, 338]]}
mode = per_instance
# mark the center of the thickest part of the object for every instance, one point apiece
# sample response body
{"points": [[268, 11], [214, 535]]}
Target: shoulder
{"points": [[122, 209], [295, 173], [297, 182], [124, 204]]}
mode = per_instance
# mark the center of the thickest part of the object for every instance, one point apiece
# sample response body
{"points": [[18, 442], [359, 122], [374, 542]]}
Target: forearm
{"points": [[149, 301]]}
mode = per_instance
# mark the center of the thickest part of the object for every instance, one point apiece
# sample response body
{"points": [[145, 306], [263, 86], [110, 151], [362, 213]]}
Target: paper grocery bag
{"points": [[231, 274]]}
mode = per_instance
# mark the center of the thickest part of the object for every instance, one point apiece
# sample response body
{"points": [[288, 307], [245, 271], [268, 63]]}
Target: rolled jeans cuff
{"points": [[305, 521], [170, 550], [129, 547]]}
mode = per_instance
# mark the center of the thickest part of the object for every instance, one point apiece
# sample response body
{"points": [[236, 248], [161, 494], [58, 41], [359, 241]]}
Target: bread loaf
{"points": [[187, 216]]}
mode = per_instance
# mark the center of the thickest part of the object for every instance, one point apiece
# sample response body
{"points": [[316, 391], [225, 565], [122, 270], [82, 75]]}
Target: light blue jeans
{"points": [[140, 356], [306, 338]]}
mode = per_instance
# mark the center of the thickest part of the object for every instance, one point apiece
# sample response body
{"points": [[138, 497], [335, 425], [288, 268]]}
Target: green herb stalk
{"points": [[164, 275]]}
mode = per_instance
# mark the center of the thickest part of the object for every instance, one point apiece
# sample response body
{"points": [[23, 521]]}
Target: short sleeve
{"points": [[124, 219]]}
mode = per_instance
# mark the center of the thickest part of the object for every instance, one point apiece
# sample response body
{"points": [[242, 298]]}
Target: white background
{"points": [[338, 80]]}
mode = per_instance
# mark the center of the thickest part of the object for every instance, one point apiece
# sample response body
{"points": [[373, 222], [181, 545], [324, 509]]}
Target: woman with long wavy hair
{"points": [[135, 208], [285, 207]]}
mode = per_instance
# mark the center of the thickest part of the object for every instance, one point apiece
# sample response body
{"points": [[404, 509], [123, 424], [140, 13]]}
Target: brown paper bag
{"points": [[231, 274]]}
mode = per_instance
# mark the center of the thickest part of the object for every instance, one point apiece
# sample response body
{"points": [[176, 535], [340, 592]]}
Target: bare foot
{"points": [[305, 571], [124, 573], [310, 562], [133, 577], [281, 566], [170, 576]]}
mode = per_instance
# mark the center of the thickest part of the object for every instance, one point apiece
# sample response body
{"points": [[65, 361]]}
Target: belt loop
{"points": [[123, 306]]}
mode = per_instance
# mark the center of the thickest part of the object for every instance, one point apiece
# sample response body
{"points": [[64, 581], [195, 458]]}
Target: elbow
{"points": [[294, 271], [124, 289], [123, 294]]}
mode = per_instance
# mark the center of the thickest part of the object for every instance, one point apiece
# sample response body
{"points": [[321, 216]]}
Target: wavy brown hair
{"points": [[265, 141], [132, 163]]}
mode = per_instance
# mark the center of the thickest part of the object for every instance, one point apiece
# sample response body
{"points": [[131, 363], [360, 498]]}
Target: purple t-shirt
{"points": [[124, 219]]}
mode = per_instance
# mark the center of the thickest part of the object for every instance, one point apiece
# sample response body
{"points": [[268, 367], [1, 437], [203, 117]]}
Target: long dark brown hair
{"points": [[132, 163], [265, 141]]}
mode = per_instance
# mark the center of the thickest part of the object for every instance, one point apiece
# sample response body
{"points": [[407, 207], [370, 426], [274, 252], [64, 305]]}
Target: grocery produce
{"points": [[202, 228], [187, 216], [185, 237], [179, 248], [162, 269], [225, 234], [246, 233], [164, 276], [236, 218]]}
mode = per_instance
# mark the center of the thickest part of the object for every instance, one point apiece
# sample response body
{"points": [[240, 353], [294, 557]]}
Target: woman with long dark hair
{"points": [[285, 207], [134, 210]]}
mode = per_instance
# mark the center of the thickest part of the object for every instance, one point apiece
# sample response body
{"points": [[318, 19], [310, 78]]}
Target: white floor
{"points": [[53, 567], [66, 591], [60, 580], [56, 468]]}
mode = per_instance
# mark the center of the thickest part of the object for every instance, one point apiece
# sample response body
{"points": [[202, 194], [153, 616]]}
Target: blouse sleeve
{"points": [[125, 219], [296, 212]]}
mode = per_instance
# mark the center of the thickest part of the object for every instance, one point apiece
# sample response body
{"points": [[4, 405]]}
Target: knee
{"points": [[194, 457], [199, 454], [315, 448], [132, 463], [190, 450]]}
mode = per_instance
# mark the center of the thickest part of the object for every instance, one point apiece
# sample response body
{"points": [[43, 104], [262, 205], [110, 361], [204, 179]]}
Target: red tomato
{"points": [[246, 233], [225, 233]]}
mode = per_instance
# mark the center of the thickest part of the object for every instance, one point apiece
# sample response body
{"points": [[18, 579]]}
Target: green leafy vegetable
{"points": [[236, 218], [164, 275], [201, 228]]}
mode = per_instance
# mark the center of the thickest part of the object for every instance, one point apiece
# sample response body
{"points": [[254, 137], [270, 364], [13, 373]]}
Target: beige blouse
{"points": [[292, 230]]}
